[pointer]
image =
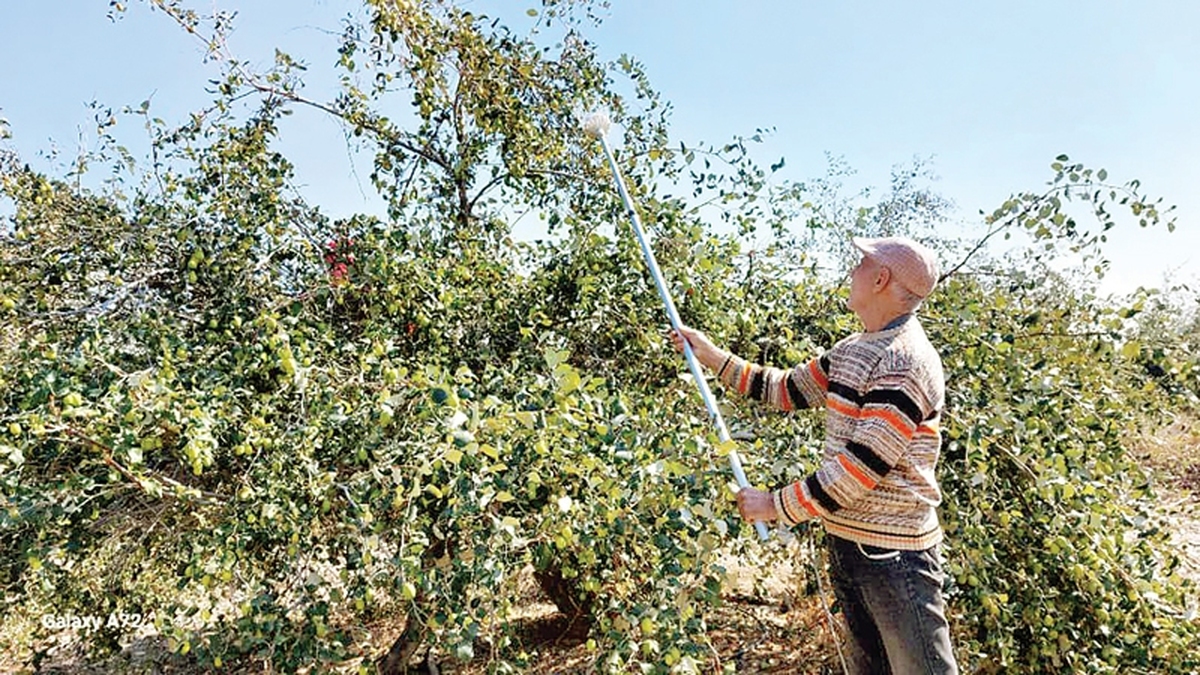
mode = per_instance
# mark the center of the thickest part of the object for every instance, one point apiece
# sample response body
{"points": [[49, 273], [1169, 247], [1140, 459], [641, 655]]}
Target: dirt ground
{"points": [[1173, 454]]}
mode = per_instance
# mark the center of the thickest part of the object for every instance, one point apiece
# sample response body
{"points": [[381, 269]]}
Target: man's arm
{"points": [[804, 386], [801, 387]]}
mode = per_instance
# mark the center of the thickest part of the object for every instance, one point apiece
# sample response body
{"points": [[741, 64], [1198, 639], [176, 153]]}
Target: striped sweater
{"points": [[883, 394]]}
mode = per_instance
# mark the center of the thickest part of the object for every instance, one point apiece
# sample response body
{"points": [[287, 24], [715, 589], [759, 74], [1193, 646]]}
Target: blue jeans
{"points": [[893, 604]]}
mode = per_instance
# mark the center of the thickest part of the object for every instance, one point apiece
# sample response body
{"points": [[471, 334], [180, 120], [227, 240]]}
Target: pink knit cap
{"points": [[911, 263]]}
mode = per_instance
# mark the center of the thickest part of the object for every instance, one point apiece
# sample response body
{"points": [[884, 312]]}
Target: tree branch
{"points": [[217, 44], [181, 490]]}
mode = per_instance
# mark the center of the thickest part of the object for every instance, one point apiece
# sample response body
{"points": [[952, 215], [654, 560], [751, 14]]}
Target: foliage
{"points": [[270, 430], [1051, 522]]}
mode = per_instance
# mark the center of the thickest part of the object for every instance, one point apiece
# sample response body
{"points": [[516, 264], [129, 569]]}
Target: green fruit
{"points": [[440, 395]]}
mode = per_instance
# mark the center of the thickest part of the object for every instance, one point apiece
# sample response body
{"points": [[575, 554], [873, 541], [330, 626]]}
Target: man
{"points": [[875, 492]]}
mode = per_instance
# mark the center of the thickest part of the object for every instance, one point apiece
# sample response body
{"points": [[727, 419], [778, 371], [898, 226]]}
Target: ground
{"points": [[1172, 454]]}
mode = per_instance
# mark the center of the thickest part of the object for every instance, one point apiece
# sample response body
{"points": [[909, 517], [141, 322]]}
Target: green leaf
{"points": [[1131, 349]]}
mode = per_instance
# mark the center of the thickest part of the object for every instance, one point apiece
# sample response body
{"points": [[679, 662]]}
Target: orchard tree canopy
{"points": [[261, 431]]}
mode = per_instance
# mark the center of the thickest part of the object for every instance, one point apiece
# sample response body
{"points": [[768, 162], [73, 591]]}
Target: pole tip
{"points": [[596, 124]]}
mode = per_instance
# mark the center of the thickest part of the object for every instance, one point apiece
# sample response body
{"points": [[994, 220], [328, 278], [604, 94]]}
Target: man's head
{"points": [[893, 277]]}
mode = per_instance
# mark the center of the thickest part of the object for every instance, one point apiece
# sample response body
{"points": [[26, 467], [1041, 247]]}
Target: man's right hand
{"points": [[706, 352]]}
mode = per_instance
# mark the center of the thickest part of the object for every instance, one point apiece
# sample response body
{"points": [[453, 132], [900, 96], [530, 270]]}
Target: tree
{"points": [[269, 429]]}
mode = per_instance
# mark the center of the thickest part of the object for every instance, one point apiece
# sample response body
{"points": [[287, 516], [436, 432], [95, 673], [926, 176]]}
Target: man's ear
{"points": [[882, 278]]}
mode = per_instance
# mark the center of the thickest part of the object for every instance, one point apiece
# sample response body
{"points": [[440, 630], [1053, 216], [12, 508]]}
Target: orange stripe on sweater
{"points": [[858, 474], [745, 379], [804, 502], [785, 401], [897, 422], [815, 370], [844, 408]]}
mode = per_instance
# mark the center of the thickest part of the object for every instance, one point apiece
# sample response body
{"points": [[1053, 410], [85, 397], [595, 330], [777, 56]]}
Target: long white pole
{"points": [[735, 462]]}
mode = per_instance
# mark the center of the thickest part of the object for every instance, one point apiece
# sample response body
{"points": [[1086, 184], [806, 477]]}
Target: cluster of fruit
{"points": [[338, 258]]}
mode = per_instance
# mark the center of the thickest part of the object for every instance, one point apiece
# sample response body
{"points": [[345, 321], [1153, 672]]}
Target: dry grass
{"points": [[1172, 453]]}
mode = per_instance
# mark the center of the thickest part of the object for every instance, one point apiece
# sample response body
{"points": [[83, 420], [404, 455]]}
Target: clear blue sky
{"points": [[991, 90]]}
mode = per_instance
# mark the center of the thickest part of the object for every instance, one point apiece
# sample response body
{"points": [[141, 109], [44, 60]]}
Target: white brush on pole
{"points": [[596, 125]]}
